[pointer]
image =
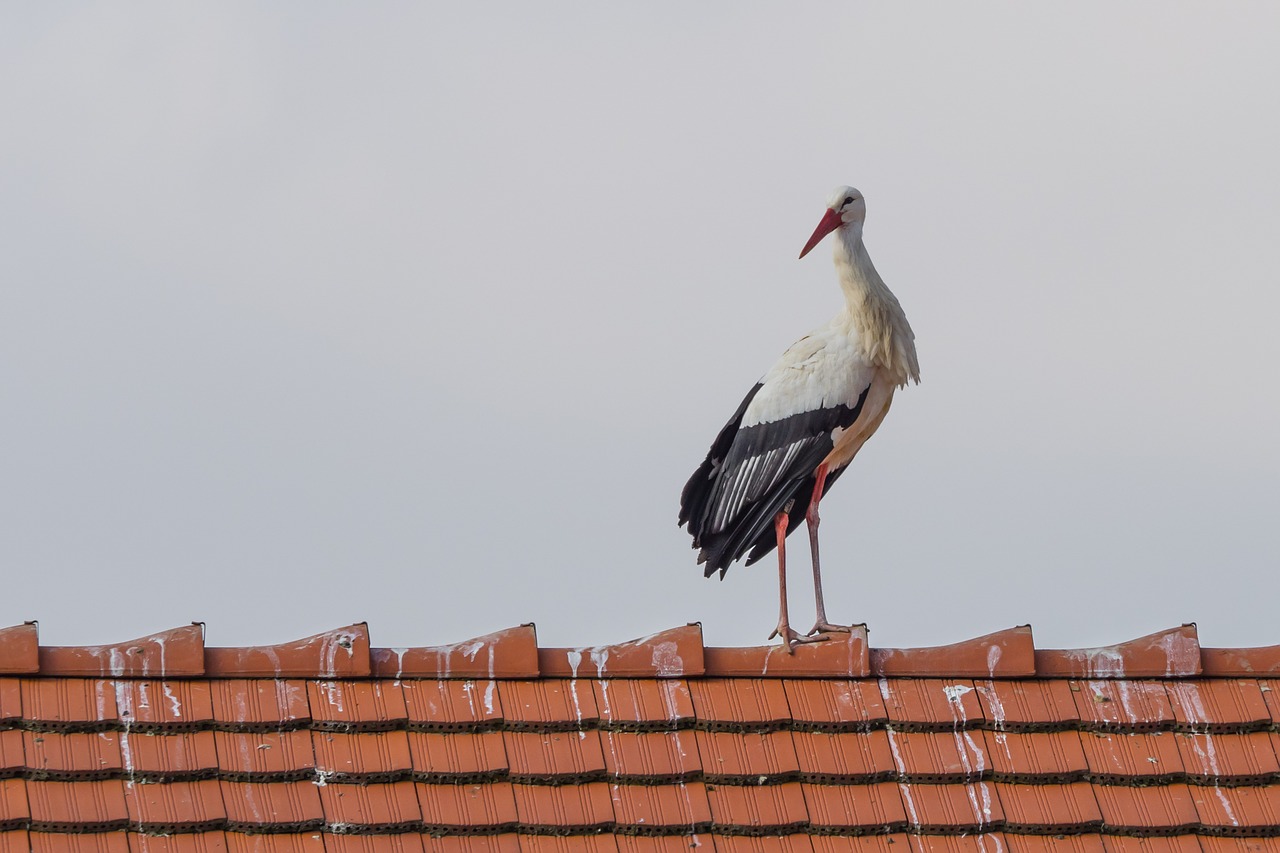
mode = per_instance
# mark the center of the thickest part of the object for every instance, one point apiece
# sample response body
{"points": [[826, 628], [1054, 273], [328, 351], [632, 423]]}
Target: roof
{"points": [[654, 746]]}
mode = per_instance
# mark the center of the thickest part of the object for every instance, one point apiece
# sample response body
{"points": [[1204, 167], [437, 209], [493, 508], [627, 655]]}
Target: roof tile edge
{"points": [[510, 653], [1173, 653], [1010, 653], [674, 653]]}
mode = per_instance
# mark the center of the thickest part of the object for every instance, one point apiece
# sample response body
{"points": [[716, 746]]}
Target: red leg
{"points": [[788, 636], [811, 517]]}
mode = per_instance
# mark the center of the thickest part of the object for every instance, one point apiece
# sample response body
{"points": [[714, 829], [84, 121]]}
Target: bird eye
{"points": [[848, 200]]}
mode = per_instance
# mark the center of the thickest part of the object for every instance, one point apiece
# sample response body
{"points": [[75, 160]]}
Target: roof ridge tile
{"points": [[340, 653], [674, 653], [509, 653], [831, 658], [1173, 653], [20, 649], [176, 652], [1004, 654]]}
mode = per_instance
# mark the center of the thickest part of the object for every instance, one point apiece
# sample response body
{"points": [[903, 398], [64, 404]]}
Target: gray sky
{"points": [[422, 314]]}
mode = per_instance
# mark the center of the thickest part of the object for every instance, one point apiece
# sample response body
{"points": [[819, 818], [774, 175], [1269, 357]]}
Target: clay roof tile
{"points": [[740, 704], [271, 806], [952, 808], [457, 757], [564, 809], [844, 757], [754, 758], [554, 704], [1122, 759], [15, 809], [512, 653], [835, 704], [341, 653], [362, 757], [661, 809], [468, 808], [1218, 705], [77, 806], [253, 704], [364, 706], [956, 756], [19, 649], [1123, 706], [452, 706], [1165, 654], [1031, 757], [265, 756], [381, 808], [667, 654], [638, 704], [1155, 810], [848, 808], [175, 806], [1004, 654], [843, 655], [179, 652], [66, 756], [1238, 811], [758, 809], [651, 756], [931, 704], [1049, 809], [554, 757], [1217, 759], [1020, 706]]}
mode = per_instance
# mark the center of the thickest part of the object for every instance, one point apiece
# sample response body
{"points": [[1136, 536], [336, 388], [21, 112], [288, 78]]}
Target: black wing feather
{"points": [[751, 474]]}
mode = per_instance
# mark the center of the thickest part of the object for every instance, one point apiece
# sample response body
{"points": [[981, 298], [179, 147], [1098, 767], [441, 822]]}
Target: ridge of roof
{"points": [[514, 653]]}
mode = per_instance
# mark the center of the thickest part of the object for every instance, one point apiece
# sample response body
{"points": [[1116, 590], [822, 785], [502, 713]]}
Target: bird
{"points": [[801, 425]]}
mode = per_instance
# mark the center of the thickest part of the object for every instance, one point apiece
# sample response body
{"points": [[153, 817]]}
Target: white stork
{"points": [[804, 422]]}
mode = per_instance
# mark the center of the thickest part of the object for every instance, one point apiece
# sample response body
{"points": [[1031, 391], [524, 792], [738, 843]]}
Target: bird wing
{"points": [[767, 453]]}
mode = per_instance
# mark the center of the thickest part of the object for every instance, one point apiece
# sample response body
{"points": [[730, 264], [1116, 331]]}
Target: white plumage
{"points": [[804, 421]]}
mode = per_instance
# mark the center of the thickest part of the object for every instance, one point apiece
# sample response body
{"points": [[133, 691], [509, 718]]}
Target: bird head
{"points": [[844, 206]]}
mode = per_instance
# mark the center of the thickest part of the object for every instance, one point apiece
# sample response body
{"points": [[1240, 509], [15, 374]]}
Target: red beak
{"points": [[830, 222]]}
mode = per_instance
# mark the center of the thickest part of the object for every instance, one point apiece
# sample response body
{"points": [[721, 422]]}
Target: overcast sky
{"points": [[422, 314]]}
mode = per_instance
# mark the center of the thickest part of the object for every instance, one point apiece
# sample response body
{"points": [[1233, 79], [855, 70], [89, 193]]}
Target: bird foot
{"points": [[790, 637], [822, 626]]}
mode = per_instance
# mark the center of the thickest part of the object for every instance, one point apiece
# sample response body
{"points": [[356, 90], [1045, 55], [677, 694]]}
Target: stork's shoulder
{"points": [[825, 368]]}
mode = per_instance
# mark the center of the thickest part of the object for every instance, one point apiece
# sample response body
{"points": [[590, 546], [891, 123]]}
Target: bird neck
{"points": [[871, 310]]}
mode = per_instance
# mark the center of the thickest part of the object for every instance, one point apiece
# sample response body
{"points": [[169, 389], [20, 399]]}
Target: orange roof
{"points": [[654, 746]]}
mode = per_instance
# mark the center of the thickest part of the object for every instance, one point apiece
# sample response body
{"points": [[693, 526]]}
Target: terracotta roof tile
{"points": [[1229, 759], [1165, 654], [505, 843], [554, 756], [77, 806], [1228, 705], [265, 756], [169, 757], [1052, 809], [19, 649], [1238, 811], [364, 706], [1138, 844], [987, 842], [512, 653], [14, 807], [71, 755], [663, 843], [175, 806], [661, 809], [568, 844], [13, 760], [845, 757], [187, 842], [668, 654], [762, 844], [378, 808], [302, 842], [244, 704], [172, 706], [176, 652], [740, 704], [1004, 654], [342, 653], [467, 808], [457, 757], [835, 705], [1031, 757], [405, 842], [556, 704], [1157, 810], [651, 756], [958, 756], [1219, 844], [362, 757], [931, 704], [1123, 706], [855, 808], [842, 655], [757, 810], [894, 843], [644, 704], [271, 806], [663, 760], [69, 704], [10, 701], [1024, 706], [1254, 663], [952, 808], [747, 757], [564, 809], [60, 842], [452, 706], [1055, 843], [1128, 759]]}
